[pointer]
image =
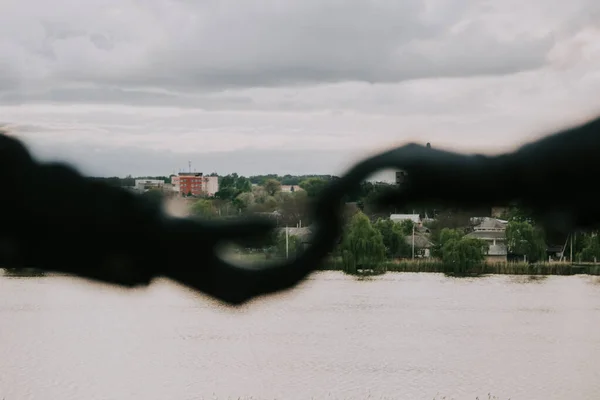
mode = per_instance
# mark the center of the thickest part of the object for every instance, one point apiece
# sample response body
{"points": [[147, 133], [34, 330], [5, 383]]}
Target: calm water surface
{"points": [[400, 336]]}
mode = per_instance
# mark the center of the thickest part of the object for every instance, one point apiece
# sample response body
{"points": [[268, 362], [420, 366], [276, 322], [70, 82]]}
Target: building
{"points": [[175, 183], [290, 188], [422, 244], [211, 185], [416, 218], [141, 185], [492, 231], [195, 183]]}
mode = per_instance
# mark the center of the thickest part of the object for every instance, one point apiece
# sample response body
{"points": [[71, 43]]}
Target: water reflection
{"points": [[397, 336]]}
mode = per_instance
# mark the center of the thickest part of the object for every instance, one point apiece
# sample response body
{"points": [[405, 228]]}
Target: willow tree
{"points": [[462, 254], [526, 240], [590, 251], [362, 246], [393, 235]]}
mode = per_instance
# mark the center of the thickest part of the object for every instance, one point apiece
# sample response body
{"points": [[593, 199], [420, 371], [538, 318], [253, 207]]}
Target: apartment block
{"points": [[195, 183]]}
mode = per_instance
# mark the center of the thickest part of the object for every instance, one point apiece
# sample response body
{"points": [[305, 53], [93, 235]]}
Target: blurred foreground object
{"points": [[57, 220]]}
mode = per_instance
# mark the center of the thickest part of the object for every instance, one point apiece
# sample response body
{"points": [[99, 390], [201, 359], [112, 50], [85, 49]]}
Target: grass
{"points": [[436, 266], [498, 268]]}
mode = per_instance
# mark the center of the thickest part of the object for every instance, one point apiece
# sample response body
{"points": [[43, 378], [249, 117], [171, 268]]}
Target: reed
{"points": [[499, 268]]}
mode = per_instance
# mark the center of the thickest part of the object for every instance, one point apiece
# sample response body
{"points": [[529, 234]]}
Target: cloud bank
{"points": [[302, 86]]}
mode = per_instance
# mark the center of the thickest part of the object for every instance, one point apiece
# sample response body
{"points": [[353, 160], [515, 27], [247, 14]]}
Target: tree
{"points": [[524, 239], [514, 213], [464, 253], [245, 200], [313, 186], [294, 208], [442, 237], [294, 245], [154, 196], [393, 238], [370, 193], [203, 208], [362, 246], [272, 186], [232, 185], [451, 219], [406, 227], [590, 251]]}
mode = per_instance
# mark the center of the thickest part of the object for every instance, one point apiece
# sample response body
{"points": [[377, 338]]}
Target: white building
{"points": [[290, 188], [416, 218], [211, 185], [145, 184]]}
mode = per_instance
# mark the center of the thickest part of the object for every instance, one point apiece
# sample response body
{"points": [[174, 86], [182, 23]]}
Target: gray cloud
{"points": [[208, 46], [299, 86]]}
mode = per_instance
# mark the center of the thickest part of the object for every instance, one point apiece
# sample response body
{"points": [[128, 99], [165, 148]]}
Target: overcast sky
{"points": [[121, 87]]}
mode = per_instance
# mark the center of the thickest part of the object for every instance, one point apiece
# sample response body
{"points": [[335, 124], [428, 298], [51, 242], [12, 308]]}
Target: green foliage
{"points": [[443, 236], [272, 186], [313, 186], [393, 235], [203, 208], [517, 214], [463, 253], [406, 227], [362, 246], [293, 208], [367, 198], [232, 185], [287, 179], [155, 196], [590, 251], [524, 239], [294, 245]]}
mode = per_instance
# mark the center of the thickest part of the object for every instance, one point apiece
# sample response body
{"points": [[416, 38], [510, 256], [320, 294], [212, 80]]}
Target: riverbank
{"points": [[23, 272], [498, 268], [416, 266], [506, 268]]}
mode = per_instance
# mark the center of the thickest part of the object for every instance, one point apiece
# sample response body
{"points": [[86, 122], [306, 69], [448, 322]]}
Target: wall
{"points": [[211, 185]]}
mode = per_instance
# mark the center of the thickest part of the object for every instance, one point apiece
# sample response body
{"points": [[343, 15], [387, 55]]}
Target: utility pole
{"points": [[571, 248], [413, 241], [287, 250]]}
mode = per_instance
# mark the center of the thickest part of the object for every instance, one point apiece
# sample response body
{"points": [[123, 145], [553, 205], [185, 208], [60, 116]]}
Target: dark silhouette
{"points": [[95, 230]]}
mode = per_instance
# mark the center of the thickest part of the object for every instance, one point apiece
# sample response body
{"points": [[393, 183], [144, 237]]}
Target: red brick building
{"points": [[191, 182]]}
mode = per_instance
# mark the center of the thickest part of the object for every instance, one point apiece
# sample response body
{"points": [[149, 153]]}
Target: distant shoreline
{"points": [[417, 266]]}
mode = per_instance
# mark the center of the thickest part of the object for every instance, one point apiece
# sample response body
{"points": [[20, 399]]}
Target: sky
{"points": [[141, 87]]}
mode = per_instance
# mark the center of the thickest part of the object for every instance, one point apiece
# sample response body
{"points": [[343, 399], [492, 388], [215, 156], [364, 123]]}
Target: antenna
{"points": [[190, 165]]}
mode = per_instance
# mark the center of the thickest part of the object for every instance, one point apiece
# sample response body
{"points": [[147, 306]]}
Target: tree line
{"points": [[526, 239]]}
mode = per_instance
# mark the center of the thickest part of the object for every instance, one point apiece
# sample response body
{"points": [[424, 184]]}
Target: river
{"points": [[398, 336]]}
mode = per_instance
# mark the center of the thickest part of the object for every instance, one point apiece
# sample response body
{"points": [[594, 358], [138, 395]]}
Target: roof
{"points": [[416, 218], [491, 224], [422, 229], [487, 235], [421, 241], [304, 234]]}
